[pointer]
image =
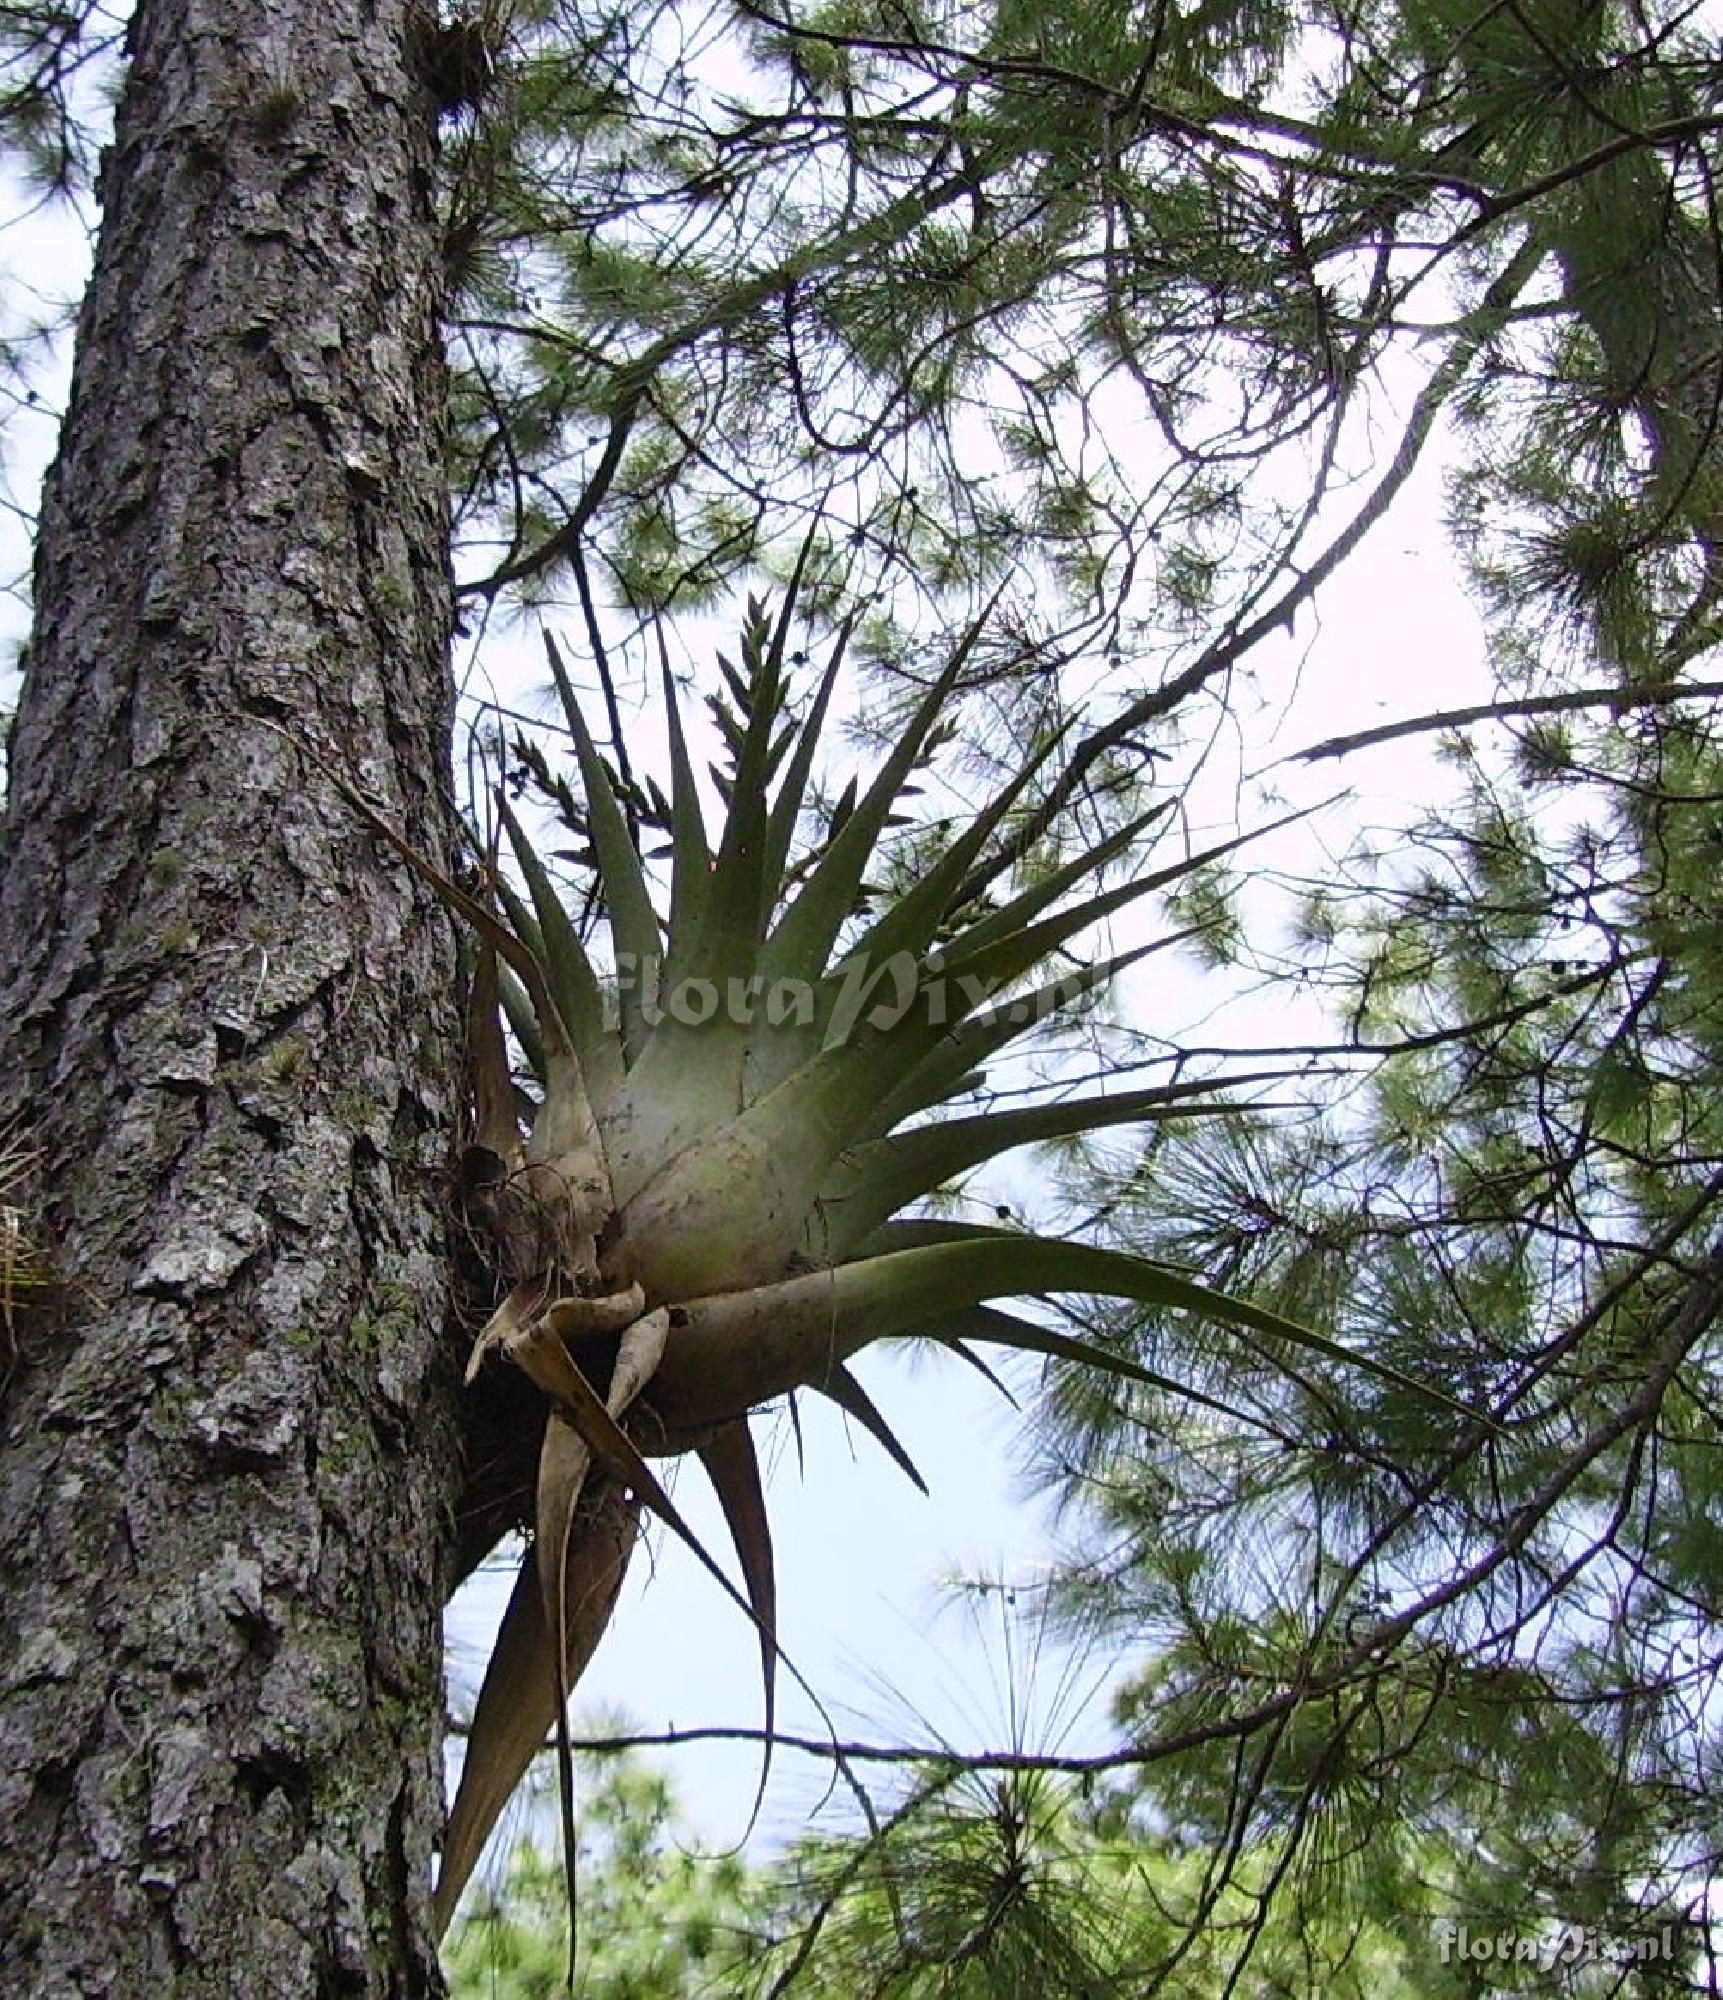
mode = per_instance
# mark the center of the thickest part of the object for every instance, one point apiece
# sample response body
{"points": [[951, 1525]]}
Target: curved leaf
{"points": [[731, 1352], [841, 1387], [627, 901], [802, 942]]}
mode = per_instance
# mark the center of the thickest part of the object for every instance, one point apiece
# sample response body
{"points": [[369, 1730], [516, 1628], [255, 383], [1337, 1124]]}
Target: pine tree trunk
{"points": [[227, 1023]]}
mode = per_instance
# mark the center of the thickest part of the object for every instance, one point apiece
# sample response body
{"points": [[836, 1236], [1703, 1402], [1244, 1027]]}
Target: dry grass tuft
{"points": [[26, 1274]]}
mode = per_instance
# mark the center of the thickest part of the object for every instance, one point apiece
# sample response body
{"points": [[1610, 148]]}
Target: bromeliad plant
{"points": [[698, 1206]]}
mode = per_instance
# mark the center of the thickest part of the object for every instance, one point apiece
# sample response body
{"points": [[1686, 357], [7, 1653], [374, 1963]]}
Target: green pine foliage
{"points": [[1494, 1639], [659, 1919], [972, 1887]]}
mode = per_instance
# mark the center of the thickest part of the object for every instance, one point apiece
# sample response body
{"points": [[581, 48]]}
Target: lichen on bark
{"points": [[228, 1025]]}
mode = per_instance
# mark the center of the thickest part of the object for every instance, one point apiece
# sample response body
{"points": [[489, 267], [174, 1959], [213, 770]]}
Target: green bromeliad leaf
{"points": [[796, 1330]]}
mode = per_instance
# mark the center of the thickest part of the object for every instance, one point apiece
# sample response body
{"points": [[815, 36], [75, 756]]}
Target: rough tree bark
{"points": [[227, 1025]]}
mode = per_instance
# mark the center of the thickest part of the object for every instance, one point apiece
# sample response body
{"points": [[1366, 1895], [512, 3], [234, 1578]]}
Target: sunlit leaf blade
{"points": [[1016, 915], [874, 1181], [907, 926], [911, 923], [1001, 951], [691, 864], [912, 1232], [803, 940], [878, 1042], [735, 913], [806, 1123], [958, 1345], [746, 873], [627, 901], [1190, 864], [998, 963], [934, 1076], [793, 790], [689, 1075], [1001, 1329], [569, 970], [896, 1041]]}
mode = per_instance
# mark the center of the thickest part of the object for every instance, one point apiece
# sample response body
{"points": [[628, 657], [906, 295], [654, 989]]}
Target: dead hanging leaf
{"points": [[579, 1319], [566, 1452], [569, 1580], [517, 1705], [511, 1318], [564, 1459], [637, 1361], [550, 1365]]}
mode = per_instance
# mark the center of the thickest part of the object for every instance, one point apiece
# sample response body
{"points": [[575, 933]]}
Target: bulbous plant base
{"points": [[565, 1334], [506, 1411]]}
